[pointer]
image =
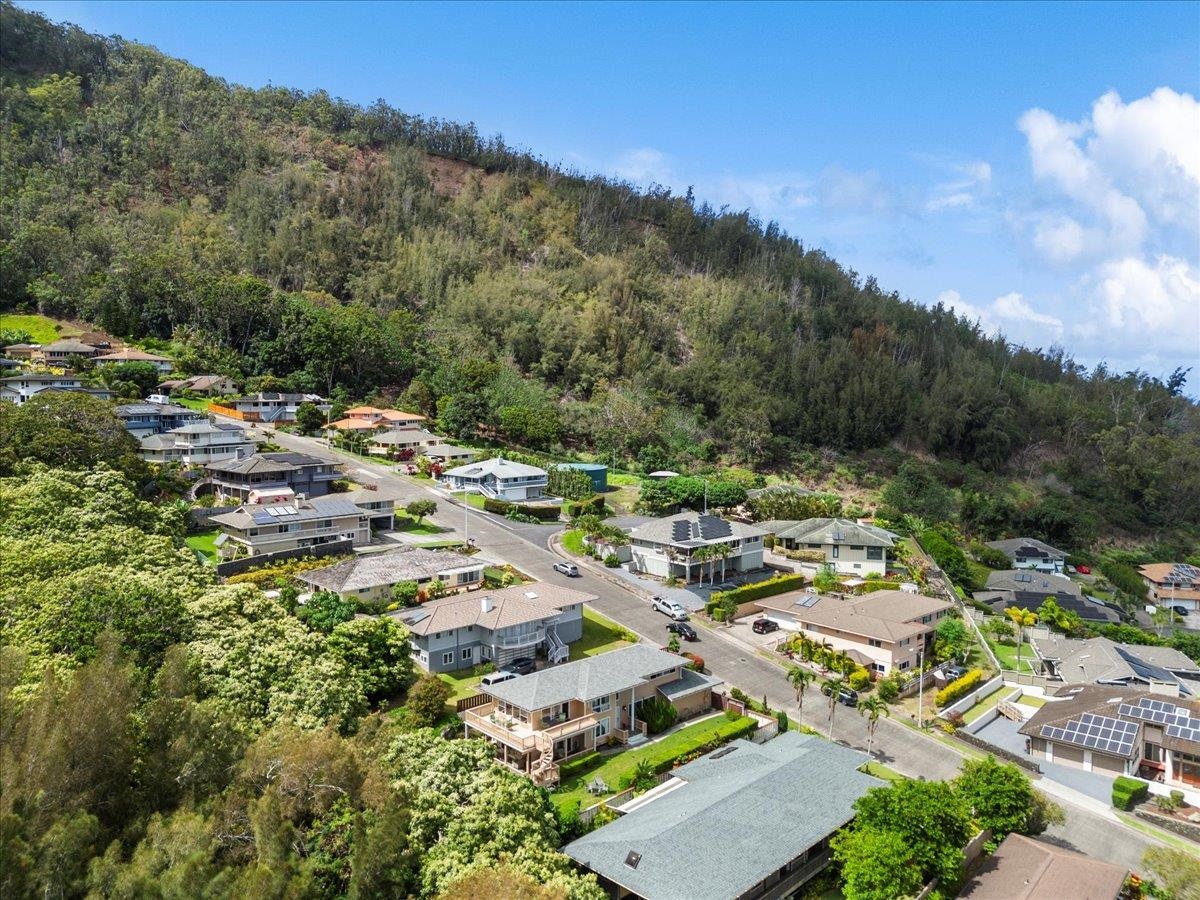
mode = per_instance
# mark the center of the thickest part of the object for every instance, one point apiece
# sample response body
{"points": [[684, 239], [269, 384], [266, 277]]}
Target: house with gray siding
{"points": [[667, 547], [307, 476], [145, 419], [495, 626], [1030, 553], [849, 547], [499, 479], [373, 576]]}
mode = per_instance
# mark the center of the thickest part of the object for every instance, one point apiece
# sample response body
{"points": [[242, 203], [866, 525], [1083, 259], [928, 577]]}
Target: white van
{"points": [[496, 678]]}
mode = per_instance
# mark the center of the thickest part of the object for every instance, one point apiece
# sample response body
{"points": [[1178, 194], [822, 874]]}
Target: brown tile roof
{"points": [[508, 606], [1104, 700], [132, 356], [1025, 869], [397, 415]]}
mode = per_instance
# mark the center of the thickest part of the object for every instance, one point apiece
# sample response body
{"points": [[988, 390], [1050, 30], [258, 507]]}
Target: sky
{"points": [[1035, 166]]}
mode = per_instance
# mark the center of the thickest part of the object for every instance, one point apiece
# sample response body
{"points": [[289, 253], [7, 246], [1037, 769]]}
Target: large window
{"points": [[601, 703], [874, 553], [602, 728], [836, 551], [448, 658]]}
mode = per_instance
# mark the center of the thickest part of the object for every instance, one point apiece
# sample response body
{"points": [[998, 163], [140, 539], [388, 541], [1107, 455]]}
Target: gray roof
{"points": [[493, 609], [445, 451], [1102, 660], [782, 490], [692, 529], [373, 570], [742, 813], [1027, 580], [1010, 546], [404, 436], [161, 409], [833, 531], [497, 466], [586, 679], [69, 345], [251, 514], [268, 462]]}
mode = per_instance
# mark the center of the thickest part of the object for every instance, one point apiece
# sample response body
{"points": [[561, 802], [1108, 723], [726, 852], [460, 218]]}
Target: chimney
{"points": [[485, 604]]}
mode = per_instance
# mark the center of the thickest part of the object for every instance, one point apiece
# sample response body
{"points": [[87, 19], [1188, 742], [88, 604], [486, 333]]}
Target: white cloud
{"points": [[1061, 239], [1010, 315], [971, 184], [1158, 301], [643, 166]]}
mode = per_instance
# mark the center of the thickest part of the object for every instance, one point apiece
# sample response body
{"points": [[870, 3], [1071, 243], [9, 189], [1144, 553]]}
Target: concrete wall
{"points": [[236, 566]]}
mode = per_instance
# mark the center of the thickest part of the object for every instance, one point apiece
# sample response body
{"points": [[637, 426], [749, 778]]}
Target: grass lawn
{"points": [[41, 328], [408, 524], [200, 404], [573, 541], [464, 682], [1035, 702], [599, 636], [472, 500], [205, 544], [612, 768], [984, 705], [618, 479], [980, 571], [879, 770], [1007, 654]]}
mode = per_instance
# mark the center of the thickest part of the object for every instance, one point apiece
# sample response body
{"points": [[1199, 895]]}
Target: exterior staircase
{"points": [[556, 650], [544, 772], [1010, 711]]}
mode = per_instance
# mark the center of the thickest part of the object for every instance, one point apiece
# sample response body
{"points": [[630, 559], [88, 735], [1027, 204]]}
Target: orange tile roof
{"points": [[364, 411], [353, 425], [398, 415]]}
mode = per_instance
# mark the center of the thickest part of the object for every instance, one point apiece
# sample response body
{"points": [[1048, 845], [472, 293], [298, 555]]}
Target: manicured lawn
{"points": [[599, 636], [879, 770], [1007, 654], [573, 541], [439, 545], [464, 682], [984, 705], [612, 768], [1035, 702], [473, 500], [40, 328], [204, 543], [407, 524], [618, 479], [200, 404]]}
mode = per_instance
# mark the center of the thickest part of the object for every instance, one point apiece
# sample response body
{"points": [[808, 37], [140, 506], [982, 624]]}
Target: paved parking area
{"points": [[742, 631], [1003, 733]]}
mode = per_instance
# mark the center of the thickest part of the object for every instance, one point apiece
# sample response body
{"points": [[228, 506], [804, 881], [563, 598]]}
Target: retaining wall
{"points": [[237, 566]]}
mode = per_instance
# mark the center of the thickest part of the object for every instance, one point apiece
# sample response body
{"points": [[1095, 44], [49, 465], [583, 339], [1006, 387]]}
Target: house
{"points": [[1025, 869], [397, 418], [1101, 661], [1030, 553], [288, 522], [1117, 731], [209, 385], [354, 426], [21, 388], [668, 546], [597, 472], [383, 418], [144, 419], [1173, 584], [197, 444], [849, 547], [884, 632], [445, 454], [498, 478], [21, 352], [306, 476], [1026, 589], [372, 576], [59, 353], [98, 339], [398, 440], [162, 364], [269, 406], [746, 821], [556, 713], [495, 626]]}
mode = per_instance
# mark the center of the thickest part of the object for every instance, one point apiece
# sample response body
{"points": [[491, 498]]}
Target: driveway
{"points": [[1003, 733]]}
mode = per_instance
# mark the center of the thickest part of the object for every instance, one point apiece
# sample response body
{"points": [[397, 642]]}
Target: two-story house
{"points": [[498, 478], [304, 475], [196, 444], [849, 547], [1030, 553], [399, 439], [373, 576], [59, 353], [19, 389], [269, 406], [144, 419], [669, 546], [1028, 589], [496, 626], [209, 385], [290, 523], [537, 720], [1173, 584], [885, 631], [162, 364]]}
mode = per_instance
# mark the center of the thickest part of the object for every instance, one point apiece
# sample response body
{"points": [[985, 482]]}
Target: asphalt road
{"points": [[528, 547]]}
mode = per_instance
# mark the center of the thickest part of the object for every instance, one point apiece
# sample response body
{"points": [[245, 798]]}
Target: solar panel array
{"points": [[1182, 574], [1095, 733], [713, 527], [266, 515], [681, 530], [1158, 711]]}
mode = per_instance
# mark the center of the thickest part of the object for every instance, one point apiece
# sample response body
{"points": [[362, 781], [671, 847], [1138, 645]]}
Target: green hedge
{"points": [[1128, 792], [949, 557], [780, 584], [665, 761], [1123, 577], [872, 586], [959, 687], [501, 507], [590, 506]]}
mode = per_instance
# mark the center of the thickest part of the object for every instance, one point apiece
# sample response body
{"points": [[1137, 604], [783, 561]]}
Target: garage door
{"points": [[1070, 756], [1102, 762]]}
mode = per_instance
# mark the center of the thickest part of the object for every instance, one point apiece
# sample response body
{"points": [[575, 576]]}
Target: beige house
{"points": [[372, 576], [162, 364], [884, 631], [849, 547], [60, 352], [398, 439], [536, 721], [1173, 584]]}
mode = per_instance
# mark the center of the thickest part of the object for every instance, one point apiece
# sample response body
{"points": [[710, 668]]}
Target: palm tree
{"points": [[701, 555], [1022, 618], [800, 679], [835, 685], [723, 551], [872, 708]]}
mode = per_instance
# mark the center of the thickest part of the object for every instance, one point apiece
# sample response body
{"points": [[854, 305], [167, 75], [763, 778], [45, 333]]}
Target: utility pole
{"points": [[921, 685], [706, 496]]}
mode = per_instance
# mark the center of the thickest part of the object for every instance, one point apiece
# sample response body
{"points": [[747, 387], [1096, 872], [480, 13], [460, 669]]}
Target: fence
{"points": [[964, 703], [981, 744], [199, 516], [246, 563], [471, 702], [1029, 679], [586, 815]]}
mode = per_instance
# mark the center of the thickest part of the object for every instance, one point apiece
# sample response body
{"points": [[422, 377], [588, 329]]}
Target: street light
{"points": [[921, 685]]}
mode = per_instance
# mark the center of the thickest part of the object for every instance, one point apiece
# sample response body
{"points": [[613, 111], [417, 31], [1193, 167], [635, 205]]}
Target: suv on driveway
{"points": [[672, 608], [764, 626], [522, 665]]}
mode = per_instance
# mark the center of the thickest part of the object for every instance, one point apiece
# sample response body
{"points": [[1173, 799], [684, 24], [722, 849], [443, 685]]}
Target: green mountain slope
{"points": [[274, 233]]}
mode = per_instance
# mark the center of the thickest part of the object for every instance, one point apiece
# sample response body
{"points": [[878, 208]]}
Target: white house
{"points": [[850, 547], [197, 444], [1030, 553], [19, 389], [669, 546], [498, 478], [162, 364]]}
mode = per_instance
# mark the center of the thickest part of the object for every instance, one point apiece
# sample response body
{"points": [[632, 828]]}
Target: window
{"points": [[878, 667], [448, 658], [466, 653], [836, 550], [600, 704], [601, 729], [874, 553], [904, 665], [485, 652], [875, 643], [813, 546], [856, 546], [1153, 752]]}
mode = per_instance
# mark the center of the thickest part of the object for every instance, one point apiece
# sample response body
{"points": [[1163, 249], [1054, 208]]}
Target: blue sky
{"points": [[1037, 166]]}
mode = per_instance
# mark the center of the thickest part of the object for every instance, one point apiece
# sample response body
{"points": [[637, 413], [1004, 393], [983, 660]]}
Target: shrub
{"points": [[591, 506], [612, 561], [769, 588], [782, 719], [989, 556], [1178, 797], [860, 679], [888, 690], [949, 558], [1123, 577], [697, 662], [959, 687], [426, 701], [502, 508], [955, 719], [1128, 792], [658, 714], [739, 695], [579, 765], [1166, 804]]}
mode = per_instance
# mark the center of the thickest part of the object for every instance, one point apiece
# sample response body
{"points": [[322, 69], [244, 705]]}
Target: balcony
{"points": [[513, 641], [573, 726], [517, 734]]}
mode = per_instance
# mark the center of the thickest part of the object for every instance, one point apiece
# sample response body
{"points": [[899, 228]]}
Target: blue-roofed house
{"points": [[746, 821]]}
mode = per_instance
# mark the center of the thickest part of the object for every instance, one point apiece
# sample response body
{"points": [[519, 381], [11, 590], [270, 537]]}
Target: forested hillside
{"points": [[304, 241]]}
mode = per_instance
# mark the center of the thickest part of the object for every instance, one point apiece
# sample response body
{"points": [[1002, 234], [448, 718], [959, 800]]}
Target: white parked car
{"points": [[568, 569], [671, 608]]}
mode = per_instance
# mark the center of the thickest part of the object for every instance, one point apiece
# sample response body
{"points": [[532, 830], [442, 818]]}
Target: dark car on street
{"points": [[764, 626], [685, 631], [522, 665], [845, 696]]}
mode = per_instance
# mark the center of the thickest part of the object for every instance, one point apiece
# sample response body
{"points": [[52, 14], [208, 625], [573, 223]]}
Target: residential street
{"points": [[528, 547]]}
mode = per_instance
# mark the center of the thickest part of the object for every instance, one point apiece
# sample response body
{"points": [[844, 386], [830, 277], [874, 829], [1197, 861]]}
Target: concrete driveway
{"points": [[1003, 733]]}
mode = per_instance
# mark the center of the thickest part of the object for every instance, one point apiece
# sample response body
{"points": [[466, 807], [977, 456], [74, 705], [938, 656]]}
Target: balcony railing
{"points": [[510, 641], [574, 726], [520, 735]]}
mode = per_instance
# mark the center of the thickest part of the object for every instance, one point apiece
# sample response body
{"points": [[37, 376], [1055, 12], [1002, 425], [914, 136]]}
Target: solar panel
{"points": [[712, 527], [1095, 733], [1186, 733], [681, 530]]}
